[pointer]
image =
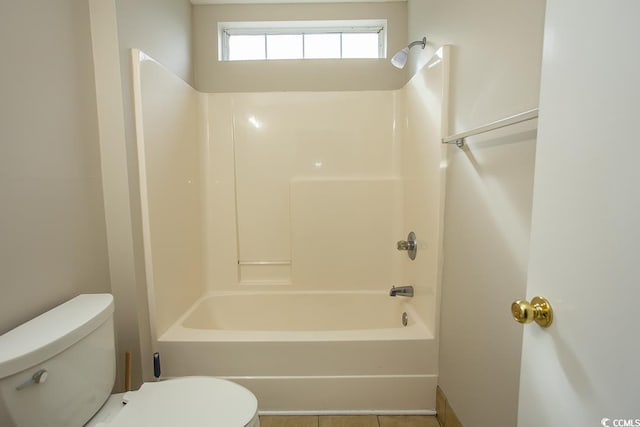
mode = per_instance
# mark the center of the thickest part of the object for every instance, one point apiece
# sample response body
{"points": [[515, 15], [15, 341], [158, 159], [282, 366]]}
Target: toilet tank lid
{"points": [[43, 337]]}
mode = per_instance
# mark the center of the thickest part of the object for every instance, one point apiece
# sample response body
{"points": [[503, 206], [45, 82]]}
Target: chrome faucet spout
{"points": [[404, 291]]}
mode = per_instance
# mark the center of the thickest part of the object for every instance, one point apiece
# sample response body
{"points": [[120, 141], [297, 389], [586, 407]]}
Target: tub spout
{"points": [[405, 291]]}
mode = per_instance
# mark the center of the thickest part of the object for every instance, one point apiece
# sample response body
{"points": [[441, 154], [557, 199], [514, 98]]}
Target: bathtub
{"points": [[310, 352]]}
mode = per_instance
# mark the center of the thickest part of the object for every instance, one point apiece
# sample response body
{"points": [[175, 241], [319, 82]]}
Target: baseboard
{"points": [[445, 413]]}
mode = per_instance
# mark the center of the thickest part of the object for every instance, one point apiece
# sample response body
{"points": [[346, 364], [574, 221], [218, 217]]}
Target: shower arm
{"points": [[422, 42]]}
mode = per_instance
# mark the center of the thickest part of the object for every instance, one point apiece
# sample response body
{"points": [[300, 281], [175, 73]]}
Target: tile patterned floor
{"points": [[349, 421]]}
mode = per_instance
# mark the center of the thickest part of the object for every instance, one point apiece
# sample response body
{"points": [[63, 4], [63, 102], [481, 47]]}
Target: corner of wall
{"points": [[494, 73], [115, 183]]}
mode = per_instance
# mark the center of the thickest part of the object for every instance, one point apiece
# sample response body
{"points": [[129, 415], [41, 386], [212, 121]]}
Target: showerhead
{"points": [[399, 60]]}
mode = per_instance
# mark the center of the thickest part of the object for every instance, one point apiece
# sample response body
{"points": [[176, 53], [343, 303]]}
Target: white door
{"points": [[584, 370]]}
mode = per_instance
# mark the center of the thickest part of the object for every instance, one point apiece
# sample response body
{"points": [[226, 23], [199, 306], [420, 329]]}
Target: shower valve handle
{"points": [[410, 245], [404, 245]]}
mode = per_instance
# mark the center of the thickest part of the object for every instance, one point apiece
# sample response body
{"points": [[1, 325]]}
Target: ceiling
{"points": [[288, 1]]}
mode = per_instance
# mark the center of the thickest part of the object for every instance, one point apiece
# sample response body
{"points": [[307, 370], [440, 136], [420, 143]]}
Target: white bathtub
{"points": [[309, 352]]}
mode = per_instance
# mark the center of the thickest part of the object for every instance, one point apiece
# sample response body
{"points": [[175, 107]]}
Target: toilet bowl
{"points": [[190, 401], [59, 368]]}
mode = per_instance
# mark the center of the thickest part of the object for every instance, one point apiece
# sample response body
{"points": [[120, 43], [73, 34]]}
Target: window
{"points": [[242, 41]]}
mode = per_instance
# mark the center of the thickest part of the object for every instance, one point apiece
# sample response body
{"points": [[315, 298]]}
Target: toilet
{"points": [[58, 370]]}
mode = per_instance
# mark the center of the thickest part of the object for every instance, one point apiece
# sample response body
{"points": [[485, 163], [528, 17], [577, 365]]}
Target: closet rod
{"points": [[458, 138]]}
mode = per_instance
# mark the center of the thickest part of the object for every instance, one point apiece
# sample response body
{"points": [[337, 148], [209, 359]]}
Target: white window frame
{"points": [[226, 29]]}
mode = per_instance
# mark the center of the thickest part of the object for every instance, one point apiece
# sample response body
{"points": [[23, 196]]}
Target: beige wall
{"points": [[162, 29], [54, 239], [495, 69], [52, 228], [212, 75]]}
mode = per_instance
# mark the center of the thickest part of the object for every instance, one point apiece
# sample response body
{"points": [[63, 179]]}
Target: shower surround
{"points": [[270, 230]]}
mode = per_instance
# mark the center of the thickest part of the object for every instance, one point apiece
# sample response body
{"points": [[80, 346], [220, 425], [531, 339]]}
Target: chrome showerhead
{"points": [[399, 60]]}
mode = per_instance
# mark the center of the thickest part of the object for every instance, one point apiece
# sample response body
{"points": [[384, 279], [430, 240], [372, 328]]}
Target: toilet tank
{"points": [[71, 349]]}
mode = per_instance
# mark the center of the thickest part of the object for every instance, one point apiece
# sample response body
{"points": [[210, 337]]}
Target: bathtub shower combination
{"points": [[307, 350], [271, 226]]}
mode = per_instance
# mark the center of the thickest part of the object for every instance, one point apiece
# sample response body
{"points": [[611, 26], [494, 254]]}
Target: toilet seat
{"points": [[190, 401]]}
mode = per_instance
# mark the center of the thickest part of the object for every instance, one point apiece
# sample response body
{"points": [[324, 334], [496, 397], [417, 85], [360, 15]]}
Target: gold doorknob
{"points": [[538, 309]]}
